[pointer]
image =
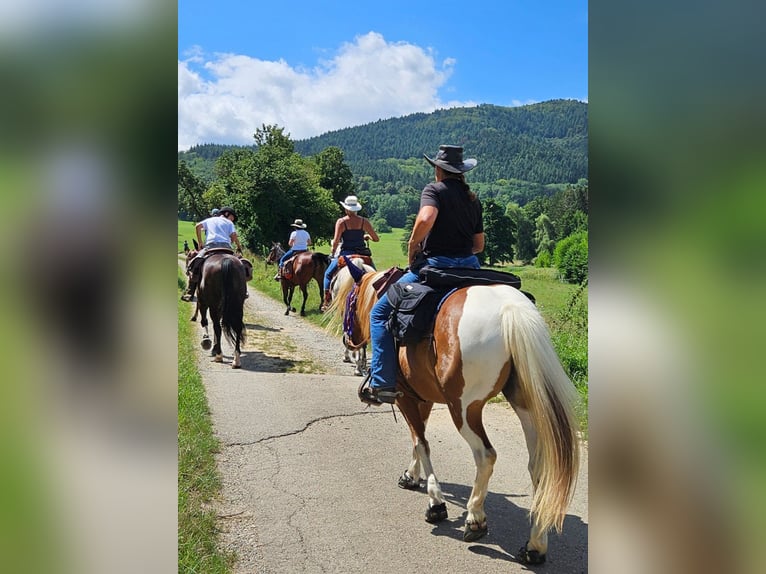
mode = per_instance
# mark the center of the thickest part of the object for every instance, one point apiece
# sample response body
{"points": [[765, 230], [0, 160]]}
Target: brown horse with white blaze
{"points": [[486, 340], [222, 291], [302, 268]]}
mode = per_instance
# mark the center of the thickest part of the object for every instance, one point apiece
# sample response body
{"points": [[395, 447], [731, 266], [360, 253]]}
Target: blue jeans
{"points": [[286, 256], [384, 360]]}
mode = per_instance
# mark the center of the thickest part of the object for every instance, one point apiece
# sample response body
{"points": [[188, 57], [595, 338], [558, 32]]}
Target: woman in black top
{"points": [[448, 232]]}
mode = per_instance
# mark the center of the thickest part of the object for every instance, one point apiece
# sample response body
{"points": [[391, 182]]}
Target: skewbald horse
{"points": [[222, 290], [486, 340]]}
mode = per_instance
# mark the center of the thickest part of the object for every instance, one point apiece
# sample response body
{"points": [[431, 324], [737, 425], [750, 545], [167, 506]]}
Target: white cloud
{"points": [[225, 98]]}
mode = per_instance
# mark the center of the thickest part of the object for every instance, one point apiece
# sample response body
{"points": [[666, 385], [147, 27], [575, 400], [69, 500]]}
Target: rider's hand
{"points": [[367, 236]]}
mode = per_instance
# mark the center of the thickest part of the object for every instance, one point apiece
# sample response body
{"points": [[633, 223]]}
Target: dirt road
{"points": [[309, 474]]}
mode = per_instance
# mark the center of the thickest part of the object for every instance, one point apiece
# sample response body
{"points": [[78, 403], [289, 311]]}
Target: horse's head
{"points": [[191, 255], [275, 253]]}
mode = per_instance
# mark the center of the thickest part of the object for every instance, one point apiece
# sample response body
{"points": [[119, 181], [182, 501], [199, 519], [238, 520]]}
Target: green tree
{"points": [[271, 187], [544, 235], [191, 203], [571, 257], [334, 173], [526, 249], [499, 234]]}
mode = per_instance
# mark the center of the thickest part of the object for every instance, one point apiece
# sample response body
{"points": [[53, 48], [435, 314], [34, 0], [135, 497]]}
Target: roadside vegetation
{"points": [[198, 479]]}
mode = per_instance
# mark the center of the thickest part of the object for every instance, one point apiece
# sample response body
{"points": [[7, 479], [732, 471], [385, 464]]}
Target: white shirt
{"points": [[218, 229], [299, 240]]}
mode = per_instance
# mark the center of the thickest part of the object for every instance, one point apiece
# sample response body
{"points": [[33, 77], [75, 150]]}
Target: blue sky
{"points": [[311, 67]]}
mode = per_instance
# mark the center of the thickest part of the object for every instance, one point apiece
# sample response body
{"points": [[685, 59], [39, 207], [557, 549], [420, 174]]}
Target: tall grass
{"points": [[198, 479]]}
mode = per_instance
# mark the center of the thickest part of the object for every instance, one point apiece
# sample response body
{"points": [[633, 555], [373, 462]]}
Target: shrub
{"points": [[380, 225], [543, 259], [571, 257]]}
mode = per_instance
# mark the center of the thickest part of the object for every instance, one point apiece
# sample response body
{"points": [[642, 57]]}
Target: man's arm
{"points": [[235, 239], [198, 229]]}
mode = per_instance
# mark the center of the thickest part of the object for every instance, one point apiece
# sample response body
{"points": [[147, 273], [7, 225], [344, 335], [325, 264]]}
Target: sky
{"points": [[313, 67]]}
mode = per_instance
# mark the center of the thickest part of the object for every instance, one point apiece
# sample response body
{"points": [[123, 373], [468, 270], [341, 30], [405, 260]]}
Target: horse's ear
{"points": [[196, 245]]}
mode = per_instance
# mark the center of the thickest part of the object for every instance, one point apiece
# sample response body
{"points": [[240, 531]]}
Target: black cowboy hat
{"points": [[450, 158], [225, 210]]}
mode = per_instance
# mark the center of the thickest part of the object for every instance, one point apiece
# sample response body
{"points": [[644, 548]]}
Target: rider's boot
{"points": [[327, 300], [189, 295]]}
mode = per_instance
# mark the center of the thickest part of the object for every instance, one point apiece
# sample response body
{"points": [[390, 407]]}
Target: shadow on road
{"points": [[509, 530]]}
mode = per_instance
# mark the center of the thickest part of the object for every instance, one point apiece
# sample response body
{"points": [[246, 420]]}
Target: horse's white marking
{"points": [[482, 346]]}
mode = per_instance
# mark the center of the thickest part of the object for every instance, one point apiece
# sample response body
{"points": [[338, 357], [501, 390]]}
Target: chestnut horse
{"points": [[486, 340], [302, 268], [222, 291]]}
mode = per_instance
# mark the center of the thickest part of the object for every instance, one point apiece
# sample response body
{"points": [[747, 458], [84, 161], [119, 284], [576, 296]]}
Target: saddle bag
{"points": [[414, 309]]}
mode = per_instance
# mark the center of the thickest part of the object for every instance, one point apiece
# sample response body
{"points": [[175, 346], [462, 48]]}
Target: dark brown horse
{"points": [[299, 271], [486, 340], [222, 291]]}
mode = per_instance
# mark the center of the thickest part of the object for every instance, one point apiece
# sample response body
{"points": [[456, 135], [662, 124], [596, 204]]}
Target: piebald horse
{"points": [[222, 291], [486, 340]]}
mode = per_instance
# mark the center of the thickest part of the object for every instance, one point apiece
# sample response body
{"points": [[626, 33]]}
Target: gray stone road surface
{"points": [[309, 474]]}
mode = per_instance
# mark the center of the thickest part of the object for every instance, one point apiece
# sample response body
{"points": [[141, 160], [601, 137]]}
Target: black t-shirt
{"points": [[458, 221]]}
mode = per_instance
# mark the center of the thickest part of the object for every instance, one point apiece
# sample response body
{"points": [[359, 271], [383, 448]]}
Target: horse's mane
{"points": [[366, 298]]}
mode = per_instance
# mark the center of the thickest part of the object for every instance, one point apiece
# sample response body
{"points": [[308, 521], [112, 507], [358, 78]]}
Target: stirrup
{"points": [[373, 396]]}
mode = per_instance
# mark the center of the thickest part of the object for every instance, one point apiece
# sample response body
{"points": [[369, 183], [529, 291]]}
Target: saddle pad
{"points": [[463, 277]]}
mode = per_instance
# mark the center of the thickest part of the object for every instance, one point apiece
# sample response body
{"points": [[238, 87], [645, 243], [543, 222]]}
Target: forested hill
{"points": [[541, 143]]}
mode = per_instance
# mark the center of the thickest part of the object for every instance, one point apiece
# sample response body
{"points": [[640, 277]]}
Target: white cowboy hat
{"points": [[450, 157], [298, 223], [351, 203]]}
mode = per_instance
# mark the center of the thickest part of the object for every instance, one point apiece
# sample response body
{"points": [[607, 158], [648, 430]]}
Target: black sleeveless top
{"points": [[352, 239]]}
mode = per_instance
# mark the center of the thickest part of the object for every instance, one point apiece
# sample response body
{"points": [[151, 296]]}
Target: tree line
{"points": [[271, 183]]}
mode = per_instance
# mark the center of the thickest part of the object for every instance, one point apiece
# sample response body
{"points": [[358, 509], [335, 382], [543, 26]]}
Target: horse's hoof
{"points": [[293, 309], [207, 344], [303, 313], [473, 531], [218, 359], [436, 513], [530, 556], [193, 319], [236, 366], [408, 483], [346, 360]]}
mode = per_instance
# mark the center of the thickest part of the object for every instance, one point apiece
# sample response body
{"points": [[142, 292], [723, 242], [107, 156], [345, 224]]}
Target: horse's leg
{"points": [[416, 414], [203, 323], [537, 546], [304, 290], [217, 351], [286, 296], [484, 456], [319, 278]]}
